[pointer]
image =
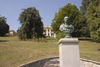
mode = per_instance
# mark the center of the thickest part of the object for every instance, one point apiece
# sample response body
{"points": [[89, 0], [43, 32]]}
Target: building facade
{"points": [[12, 33], [47, 31]]}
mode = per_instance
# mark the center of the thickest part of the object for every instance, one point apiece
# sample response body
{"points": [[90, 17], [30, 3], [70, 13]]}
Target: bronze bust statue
{"points": [[66, 28]]}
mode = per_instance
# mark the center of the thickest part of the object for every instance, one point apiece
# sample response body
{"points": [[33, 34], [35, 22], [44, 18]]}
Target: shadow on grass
{"points": [[98, 49], [86, 39], [3, 40]]}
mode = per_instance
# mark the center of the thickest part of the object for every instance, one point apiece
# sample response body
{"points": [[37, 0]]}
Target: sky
{"points": [[11, 9]]}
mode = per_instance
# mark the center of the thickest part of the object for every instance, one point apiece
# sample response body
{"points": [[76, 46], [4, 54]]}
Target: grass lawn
{"points": [[14, 52], [89, 49]]}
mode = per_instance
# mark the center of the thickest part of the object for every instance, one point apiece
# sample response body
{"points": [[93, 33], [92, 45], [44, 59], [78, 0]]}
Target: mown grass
{"points": [[89, 49], [14, 52]]}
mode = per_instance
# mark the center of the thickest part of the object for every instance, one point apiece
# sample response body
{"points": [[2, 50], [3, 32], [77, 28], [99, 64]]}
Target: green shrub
{"points": [[95, 35], [60, 35]]}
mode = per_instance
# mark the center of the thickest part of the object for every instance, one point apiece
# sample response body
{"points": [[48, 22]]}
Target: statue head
{"points": [[66, 19]]}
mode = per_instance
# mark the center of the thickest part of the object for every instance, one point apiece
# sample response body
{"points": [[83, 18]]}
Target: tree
{"points": [[84, 6], [73, 13], [84, 29], [4, 27], [32, 25], [93, 15]]}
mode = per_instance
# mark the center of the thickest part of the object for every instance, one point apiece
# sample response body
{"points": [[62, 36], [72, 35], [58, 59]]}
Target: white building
{"points": [[47, 31], [12, 33]]}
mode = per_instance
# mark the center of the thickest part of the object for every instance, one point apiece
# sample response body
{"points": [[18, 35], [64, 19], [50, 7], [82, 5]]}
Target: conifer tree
{"points": [[93, 15], [32, 25], [84, 6], [4, 27]]}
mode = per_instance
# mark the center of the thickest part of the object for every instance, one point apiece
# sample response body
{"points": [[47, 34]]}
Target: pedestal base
{"points": [[69, 52]]}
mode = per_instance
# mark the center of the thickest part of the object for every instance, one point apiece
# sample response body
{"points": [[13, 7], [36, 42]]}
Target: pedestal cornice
{"points": [[68, 40]]}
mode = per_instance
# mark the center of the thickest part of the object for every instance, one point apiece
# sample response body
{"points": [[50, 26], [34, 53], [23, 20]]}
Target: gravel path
{"points": [[52, 63]]}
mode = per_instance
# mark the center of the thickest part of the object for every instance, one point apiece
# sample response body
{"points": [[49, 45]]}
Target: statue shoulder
{"points": [[71, 25], [62, 25]]}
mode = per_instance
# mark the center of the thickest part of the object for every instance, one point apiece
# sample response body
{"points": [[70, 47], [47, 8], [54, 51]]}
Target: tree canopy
{"points": [[93, 15], [84, 6], [4, 27], [73, 13], [68, 10], [85, 29], [32, 25]]}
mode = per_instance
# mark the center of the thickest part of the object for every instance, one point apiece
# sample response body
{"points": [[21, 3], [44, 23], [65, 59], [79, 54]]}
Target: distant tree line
{"points": [[86, 21]]}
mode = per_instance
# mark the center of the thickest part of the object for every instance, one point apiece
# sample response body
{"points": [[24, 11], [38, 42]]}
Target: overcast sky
{"points": [[47, 8]]}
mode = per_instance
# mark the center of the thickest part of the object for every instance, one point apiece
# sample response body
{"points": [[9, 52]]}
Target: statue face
{"points": [[66, 19]]}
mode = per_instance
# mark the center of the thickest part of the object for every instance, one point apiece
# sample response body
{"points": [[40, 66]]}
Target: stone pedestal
{"points": [[69, 52]]}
